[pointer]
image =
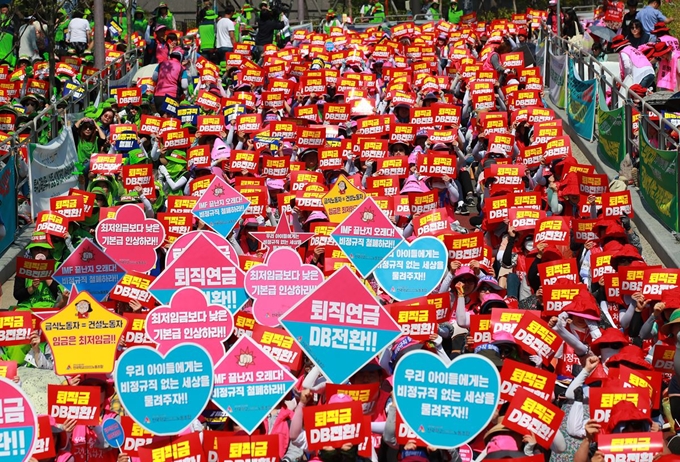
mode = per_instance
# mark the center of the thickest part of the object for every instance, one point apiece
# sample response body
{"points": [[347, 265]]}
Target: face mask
{"points": [[529, 246], [607, 353]]}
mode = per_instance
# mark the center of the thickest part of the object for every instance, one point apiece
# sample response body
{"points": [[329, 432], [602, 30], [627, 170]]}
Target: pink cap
{"points": [[340, 398], [220, 150], [316, 216], [501, 443], [503, 337]]}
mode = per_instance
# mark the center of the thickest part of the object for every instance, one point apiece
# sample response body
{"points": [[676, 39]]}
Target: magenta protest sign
{"points": [[18, 423], [249, 384], [341, 318], [204, 266], [220, 206], [279, 283], [182, 242], [89, 269], [131, 239], [367, 236], [282, 236], [189, 319]]}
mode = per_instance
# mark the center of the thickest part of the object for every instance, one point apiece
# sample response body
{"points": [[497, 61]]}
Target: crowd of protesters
{"points": [[483, 75]]}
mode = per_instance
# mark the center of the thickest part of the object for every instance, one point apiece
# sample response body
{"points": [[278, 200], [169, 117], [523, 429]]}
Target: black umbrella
{"points": [[605, 33]]}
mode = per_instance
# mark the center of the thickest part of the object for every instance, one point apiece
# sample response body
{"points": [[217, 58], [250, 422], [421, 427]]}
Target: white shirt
{"points": [[222, 29], [78, 30]]}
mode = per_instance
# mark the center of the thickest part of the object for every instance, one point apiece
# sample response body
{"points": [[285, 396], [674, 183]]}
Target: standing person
{"points": [[139, 22], [637, 36], [265, 31], [433, 11], [28, 42], [553, 17], [366, 10], [650, 15], [225, 32], [206, 30], [162, 49], [283, 36], [634, 66], [165, 17], [171, 78], [454, 12], [78, 35], [629, 16], [330, 21], [207, 5]]}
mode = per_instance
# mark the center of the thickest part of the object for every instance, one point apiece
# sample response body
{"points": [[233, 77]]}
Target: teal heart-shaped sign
{"points": [[446, 405], [164, 394], [413, 269]]}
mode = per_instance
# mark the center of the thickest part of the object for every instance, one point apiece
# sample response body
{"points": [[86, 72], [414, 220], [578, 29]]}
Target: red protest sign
{"points": [[363, 393], [600, 264], [418, 322], [617, 204], [182, 448], [557, 296], [631, 279], [135, 436], [258, 198], [524, 219], [225, 447], [333, 424], [175, 224], [648, 380], [656, 280], [405, 434], [8, 369], [275, 167], [248, 123], [106, 164], [663, 358], [496, 209], [181, 204], [134, 286], [529, 413], [602, 400], [437, 164], [552, 230], [311, 137], [480, 329], [125, 96], [535, 336], [330, 158], [336, 113], [370, 148], [630, 446], [431, 223], [558, 270], [72, 207], [465, 247], [518, 376], [244, 160], [44, 442], [28, 268], [506, 319], [150, 125], [135, 331], [244, 323], [583, 230], [140, 175], [15, 328], [279, 345], [67, 402], [423, 202]]}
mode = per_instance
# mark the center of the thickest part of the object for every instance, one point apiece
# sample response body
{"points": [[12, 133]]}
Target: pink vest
{"points": [[667, 75], [487, 66], [162, 52], [169, 73], [638, 59], [671, 41]]}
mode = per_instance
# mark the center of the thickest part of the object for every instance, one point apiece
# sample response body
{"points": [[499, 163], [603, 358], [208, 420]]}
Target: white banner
{"points": [[52, 168], [556, 84]]}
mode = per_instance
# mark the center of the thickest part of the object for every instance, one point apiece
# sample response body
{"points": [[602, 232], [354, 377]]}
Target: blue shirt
{"points": [[649, 16]]}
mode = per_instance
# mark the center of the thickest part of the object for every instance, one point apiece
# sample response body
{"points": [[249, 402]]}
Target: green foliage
{"points": [[672, 10]]}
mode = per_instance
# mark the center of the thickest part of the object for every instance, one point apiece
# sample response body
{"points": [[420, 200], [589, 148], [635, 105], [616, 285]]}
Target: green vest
{"points": [[455, 15], [166, 21], [434, 13], [207, 33], [41, 297], [139, 26], [60, 33], [378, 16]]}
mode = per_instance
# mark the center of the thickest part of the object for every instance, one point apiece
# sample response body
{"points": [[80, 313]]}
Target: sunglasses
{"points": [[31, 103]]}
